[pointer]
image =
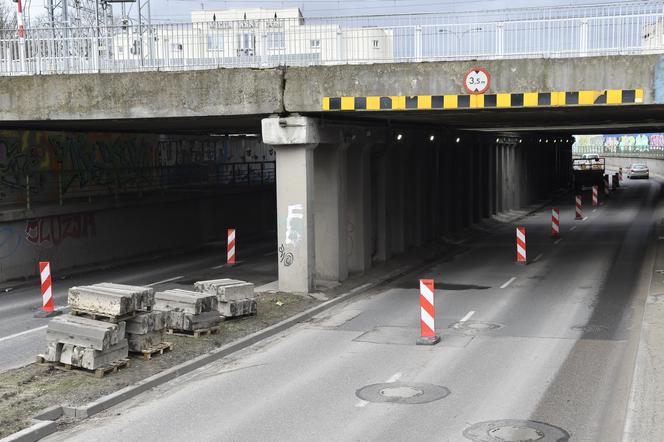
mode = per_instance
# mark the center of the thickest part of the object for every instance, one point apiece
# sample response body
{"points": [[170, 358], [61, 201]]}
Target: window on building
{"points": [[246, 41], [315, 44], [376, 44], [215, 42], [276, 40]]}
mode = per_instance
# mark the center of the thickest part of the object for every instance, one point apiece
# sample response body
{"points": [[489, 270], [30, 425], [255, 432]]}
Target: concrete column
{"points": [[458, 192], [468, 190], [445, 165], [295, 218], [397, 200], [480, 192], [418, 185], [330, 212], [358, 211], [434, 192], [381, 197]]}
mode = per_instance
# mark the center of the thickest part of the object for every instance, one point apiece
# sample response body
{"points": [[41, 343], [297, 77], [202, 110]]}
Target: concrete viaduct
{"points": [[371, 159]]}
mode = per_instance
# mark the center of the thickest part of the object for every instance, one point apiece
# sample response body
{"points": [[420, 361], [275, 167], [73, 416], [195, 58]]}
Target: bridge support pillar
{"points": [[359, 209], [295, 139], [399, 221], [330, 215]]}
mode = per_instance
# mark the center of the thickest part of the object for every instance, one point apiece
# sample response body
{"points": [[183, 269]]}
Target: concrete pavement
{"points": [[22, 336], [547, 354]]}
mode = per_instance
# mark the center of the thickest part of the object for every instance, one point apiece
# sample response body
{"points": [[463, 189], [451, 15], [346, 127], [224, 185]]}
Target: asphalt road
{"points": [[538, 352], [22, 336]]}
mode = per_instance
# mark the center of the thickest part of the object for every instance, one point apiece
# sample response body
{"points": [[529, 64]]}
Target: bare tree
{"points": [[7, 15]]}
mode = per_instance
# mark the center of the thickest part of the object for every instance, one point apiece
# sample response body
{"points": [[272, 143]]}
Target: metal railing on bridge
{"points": [[574, 31]]}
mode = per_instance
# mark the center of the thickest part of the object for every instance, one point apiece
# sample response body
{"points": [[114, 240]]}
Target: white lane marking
{"points": [[468, 315], [16, 335], [537, 258], [584, 218], [226, 265], [510, 281], [557, 241], [395, 377], [572, 228], [594, 210], [165, 281]]}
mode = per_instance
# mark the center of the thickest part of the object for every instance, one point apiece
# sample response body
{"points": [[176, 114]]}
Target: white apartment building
{"points": [[255, 36]]}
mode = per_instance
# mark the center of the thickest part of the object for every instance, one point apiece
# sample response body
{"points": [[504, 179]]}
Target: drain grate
{"points": [[475, 327], [513, 430], [591, 328], [402, 393]]}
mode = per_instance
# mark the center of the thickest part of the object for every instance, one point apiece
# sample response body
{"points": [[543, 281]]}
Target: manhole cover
{"points": [[512, 430], [402, 393], [590, 328], [475, 326]]}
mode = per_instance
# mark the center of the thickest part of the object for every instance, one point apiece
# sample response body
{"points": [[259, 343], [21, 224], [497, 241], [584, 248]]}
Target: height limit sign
{"points": [[477, 81]]}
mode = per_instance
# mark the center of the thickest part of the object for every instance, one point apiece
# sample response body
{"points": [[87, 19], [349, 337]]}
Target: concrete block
{"points": [[186, 301], [100, 301], [53, 352], [50, 414], [144, 341], [238, 308], [226, 289], [209, 299], [204, 320], [91, 359], [159, 319], [84, 332], [175, 320], [141, 324], [145, 295]]}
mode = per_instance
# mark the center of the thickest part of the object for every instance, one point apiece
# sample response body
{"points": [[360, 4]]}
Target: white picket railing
{"points": [[612, 29]]}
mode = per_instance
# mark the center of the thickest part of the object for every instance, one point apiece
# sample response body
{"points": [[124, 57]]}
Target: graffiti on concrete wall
{"points": [[617, 143], [52, 231]]}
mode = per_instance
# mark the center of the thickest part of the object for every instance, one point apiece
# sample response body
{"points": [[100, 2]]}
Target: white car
{"points": [[638, 171]]}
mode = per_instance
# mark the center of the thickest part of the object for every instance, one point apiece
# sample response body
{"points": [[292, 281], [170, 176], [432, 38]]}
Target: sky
{"points": [[179, 10]]}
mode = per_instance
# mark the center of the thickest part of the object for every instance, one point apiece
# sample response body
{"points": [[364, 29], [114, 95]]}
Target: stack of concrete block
{"points": [[112, 300], [145, 331], [235, 297], [85, 343], [188, 310]]}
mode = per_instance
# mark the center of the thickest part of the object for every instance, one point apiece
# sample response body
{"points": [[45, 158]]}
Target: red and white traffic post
{"points": [[555, 222], [607, 191], [46, 287], [428, 334], [595, 196], [579, 208], [620, 177], [230, 251], [521, 245]]}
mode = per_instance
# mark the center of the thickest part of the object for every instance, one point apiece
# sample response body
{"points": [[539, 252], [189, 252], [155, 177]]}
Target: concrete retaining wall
{"points": [[86, 238], [656, 166]]}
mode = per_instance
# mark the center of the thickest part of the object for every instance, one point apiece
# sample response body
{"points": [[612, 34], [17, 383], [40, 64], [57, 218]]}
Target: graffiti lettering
{"points": [[52, 231]]}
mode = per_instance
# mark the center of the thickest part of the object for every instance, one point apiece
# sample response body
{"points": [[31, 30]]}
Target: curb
{"points": [[45, 424]]}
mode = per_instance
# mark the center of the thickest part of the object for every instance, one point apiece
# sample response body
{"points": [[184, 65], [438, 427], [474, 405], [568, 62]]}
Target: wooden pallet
{"points": [[98, 373], [157, 349], [102, 317], [195, 333]]}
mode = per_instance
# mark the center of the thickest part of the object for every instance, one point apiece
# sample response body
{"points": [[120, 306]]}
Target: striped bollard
{"points": [[521, 245], [428, 334], [555, 222], [230, 255], [607, 191], [48, 305], [579, 210], [595, 196], [620, 177]]}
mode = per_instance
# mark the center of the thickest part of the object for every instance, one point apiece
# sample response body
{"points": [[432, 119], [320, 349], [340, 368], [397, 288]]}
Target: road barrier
{"points": [[607, 191], [521, 245], [46, 287], [555, 222], [595, 196], [620, 177], [230, 256], [579, 208], [428, 334]]}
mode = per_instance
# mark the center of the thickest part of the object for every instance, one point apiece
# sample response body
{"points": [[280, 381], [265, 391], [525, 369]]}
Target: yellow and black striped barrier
{"points": [[484, 101]]}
